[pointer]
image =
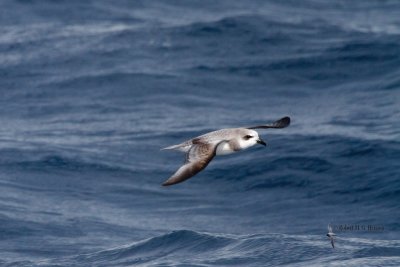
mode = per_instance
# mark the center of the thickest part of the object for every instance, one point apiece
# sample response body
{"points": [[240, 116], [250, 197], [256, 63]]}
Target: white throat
{"points": [[224, 149]]}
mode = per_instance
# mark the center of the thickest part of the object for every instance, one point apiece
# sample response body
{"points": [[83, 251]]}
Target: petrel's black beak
{"points": [[261, 142]]}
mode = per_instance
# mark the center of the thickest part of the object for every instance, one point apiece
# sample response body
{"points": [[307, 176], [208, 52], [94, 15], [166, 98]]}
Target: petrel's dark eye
{"points": [[247, 137]]}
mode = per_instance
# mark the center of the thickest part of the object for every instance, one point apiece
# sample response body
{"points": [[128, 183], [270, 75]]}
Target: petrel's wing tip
{"points": [[279, 124]]}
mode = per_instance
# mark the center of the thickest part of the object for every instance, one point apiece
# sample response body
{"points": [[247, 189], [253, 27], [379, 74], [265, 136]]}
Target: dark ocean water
{"points": [[91, 90]]}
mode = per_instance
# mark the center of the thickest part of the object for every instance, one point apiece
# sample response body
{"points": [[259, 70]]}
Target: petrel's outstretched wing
{"points": [[281, 123], [331, 235], [197, 158]]}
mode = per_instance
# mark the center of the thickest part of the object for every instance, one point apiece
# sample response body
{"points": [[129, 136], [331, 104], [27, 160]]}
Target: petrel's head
{"points": [[248, 138]]}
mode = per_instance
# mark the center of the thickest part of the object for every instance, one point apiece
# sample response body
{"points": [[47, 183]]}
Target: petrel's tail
{"points": [[172, 147], [183, 147]]}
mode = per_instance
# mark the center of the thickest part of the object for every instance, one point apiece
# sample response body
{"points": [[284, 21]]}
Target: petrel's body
{"points": [[202, 149], [331, 236]]}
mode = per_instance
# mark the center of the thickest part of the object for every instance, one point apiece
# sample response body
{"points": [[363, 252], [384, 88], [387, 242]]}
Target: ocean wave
{"points": [[21, 161], [185, 247], [92, 90], [177, 242]]}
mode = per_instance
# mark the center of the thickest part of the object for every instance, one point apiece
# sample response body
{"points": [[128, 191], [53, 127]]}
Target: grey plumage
{"points": [[202, 149], [197, 158], [211, 138]]}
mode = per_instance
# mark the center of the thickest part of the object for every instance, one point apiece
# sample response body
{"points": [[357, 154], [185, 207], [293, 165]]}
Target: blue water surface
{"points": [[91, 90]]}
